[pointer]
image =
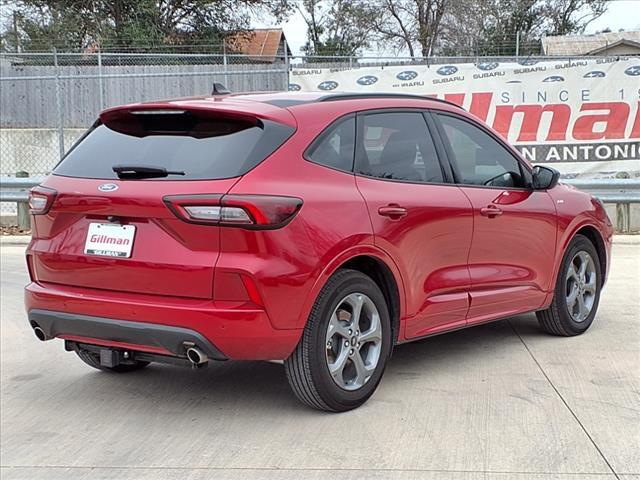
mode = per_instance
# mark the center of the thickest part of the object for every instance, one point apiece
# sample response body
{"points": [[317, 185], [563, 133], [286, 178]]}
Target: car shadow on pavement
{"points": [[263, 386]]}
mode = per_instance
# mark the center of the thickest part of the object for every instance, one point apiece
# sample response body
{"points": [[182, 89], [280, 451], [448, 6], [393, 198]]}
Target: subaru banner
{"points": [[581, 115]]}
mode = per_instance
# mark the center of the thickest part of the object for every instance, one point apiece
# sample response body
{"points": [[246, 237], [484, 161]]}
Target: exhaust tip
{"points": [[196, 356], [40, 335]]}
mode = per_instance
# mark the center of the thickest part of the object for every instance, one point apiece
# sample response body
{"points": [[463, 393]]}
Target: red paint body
{"points": [[249, 292]]}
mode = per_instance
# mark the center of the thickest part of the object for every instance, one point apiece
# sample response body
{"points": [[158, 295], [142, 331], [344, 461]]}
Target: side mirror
{"points": [[545, 178]]}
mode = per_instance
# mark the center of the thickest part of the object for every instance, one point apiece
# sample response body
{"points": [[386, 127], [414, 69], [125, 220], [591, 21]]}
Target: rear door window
{"points": [[203, 148], [397, 146]]}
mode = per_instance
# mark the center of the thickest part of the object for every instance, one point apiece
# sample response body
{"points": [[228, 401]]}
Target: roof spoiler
{"points": [[138, 120]]}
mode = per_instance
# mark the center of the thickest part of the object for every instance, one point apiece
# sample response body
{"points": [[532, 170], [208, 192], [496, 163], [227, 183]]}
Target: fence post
{"points": [[286, 66], [59, 104], [224, 62], [623, 217], [22, 208], [100, 83]]}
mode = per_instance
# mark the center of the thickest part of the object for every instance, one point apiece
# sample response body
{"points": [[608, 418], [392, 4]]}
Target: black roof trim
{"points": [[357, 96], [285, 102]]}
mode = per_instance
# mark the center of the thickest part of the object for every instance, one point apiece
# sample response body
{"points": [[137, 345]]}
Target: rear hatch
{"points": [[109, 224]]}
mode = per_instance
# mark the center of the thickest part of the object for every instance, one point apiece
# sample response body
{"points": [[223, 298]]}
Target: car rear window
{"points": [[203, 148]]}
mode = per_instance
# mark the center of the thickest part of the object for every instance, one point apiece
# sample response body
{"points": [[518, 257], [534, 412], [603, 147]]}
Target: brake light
{"points": [[219, 214], [41, 199], [246, 211]]}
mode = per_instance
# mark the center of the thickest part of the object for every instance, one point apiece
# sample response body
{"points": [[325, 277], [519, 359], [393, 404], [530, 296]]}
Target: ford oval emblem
{"points": [[108, 187]]}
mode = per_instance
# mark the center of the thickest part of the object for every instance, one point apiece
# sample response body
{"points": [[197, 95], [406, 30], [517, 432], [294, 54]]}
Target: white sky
{"points": [[621, 14]]}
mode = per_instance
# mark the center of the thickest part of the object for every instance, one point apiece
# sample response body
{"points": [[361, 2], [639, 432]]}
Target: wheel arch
{"points": [[382, 275], [595, 237], [374, 263]]}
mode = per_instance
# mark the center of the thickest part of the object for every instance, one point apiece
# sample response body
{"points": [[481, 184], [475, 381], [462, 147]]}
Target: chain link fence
{"points": [[48, 99]]}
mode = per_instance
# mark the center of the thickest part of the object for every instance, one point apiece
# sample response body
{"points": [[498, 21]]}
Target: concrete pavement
{"points": [[500, 401]]}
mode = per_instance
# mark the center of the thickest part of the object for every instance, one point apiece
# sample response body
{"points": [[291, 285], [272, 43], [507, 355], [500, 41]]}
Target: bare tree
{"points": [[410, 24], [572, 16], [495, 27]]}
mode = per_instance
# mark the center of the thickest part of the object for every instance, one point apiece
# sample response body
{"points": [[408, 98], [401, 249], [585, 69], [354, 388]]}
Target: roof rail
{"points": [[356, 96]]}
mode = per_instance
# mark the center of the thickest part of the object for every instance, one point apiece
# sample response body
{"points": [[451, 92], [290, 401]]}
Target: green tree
{"points": [[78, 24], [510, 24], [334, 28]]}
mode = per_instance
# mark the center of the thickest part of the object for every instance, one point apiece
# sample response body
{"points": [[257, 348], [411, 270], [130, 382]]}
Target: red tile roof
{"points": [[262, 45]]}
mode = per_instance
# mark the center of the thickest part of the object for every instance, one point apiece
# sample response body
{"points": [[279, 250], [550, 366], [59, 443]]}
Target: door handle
{"points": [[392, 211], [490, 211]]}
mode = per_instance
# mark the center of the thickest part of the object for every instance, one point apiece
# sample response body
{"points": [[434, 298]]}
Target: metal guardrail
{"points": [[14, 189], [610, 190], [622, 192]]}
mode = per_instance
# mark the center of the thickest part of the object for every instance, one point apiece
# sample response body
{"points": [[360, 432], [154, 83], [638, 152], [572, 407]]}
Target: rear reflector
{"points": [[246, 211], [30, 267], [41, 199]]}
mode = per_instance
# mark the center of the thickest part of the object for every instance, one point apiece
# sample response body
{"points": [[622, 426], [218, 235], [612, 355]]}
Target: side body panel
{"points": [[511, 258], [430, 246]]}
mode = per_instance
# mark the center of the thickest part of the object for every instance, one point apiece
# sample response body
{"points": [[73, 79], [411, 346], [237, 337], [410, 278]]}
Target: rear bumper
{"points": [[156, 324], [161, 339]]}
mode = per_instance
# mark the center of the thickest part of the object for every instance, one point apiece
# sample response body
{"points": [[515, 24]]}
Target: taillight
{"points": [[41, 199], [218, 214], [246, 211]]}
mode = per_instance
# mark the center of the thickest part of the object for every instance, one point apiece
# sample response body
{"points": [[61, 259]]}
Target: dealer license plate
{"points": [[109, 240]]}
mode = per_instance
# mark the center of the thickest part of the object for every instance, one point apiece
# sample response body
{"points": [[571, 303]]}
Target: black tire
{"points": [[93, 360], [556, 320], [307, 369]]}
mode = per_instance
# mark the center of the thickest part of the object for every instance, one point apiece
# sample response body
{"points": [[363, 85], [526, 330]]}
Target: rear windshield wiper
{"points": [[132, 172]]}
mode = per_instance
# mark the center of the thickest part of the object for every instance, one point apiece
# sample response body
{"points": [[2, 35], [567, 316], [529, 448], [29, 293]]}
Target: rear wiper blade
{"points": [[133, 172]]}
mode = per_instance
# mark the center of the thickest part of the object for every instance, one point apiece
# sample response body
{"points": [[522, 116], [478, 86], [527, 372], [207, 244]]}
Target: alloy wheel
{"points": [[353, 341], [581, 286]]}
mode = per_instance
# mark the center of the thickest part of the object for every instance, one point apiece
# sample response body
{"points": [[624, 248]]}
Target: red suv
{"points": [[318, 229]]}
